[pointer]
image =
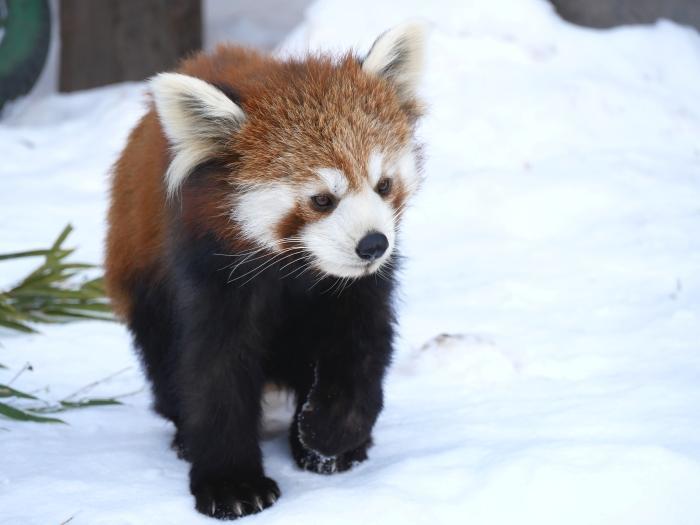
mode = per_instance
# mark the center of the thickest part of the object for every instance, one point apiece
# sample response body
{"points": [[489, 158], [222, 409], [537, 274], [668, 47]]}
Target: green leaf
{"points": [[49, 294], [18, 255], [20, 327], [66, 314], [20, 415], [6, 307], [79, 266], [103, 308], [62, 237], [47, 277], [90, 403], [43, 292], [8, 391], [63, 406]]}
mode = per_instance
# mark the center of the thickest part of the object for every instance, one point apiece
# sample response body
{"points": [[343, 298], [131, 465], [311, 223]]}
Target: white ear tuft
{"points": [[198, 120], [397, 55]]}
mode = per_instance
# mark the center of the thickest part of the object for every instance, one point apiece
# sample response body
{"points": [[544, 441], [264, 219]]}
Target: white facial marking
{"points": [[333, 239], [260, 210], [375, 167], [335, 180]]}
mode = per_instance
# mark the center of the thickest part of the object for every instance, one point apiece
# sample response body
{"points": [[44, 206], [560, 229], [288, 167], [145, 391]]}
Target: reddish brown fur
{"points": [[301, 115]]}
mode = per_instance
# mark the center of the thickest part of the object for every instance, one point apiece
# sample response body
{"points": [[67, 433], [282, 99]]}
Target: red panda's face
{"points": [[347, 222], [325, 157]]}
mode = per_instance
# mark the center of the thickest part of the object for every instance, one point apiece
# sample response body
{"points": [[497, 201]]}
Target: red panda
{"points": [[253, 238]]}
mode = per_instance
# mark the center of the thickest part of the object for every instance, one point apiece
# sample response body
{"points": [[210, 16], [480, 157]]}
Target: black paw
{"points": [[314, 461], [331, 429], [230, 500]]}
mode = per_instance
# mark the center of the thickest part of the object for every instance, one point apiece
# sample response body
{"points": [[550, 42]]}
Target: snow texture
{"points": [[554, 245]]}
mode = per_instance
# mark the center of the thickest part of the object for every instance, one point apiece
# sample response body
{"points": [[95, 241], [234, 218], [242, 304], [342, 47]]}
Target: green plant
{"points": [[50, 294], [34, 408]]}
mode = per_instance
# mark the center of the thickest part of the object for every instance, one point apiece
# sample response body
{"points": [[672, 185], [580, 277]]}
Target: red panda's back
{"points": [[137, 214], [136, 220]]}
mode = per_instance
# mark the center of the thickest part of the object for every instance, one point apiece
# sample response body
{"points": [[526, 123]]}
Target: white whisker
{"points": [[274, 260]]}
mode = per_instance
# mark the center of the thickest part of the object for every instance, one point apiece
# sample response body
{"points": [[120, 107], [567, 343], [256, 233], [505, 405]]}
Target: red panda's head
{"points": [[322, 152]]}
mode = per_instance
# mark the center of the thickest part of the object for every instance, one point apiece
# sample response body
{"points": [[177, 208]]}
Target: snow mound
{"points": [[470, 360]]}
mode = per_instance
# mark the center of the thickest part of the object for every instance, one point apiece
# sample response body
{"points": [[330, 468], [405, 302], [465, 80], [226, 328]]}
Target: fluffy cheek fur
{"points": [[333, 239], [259, 212]]}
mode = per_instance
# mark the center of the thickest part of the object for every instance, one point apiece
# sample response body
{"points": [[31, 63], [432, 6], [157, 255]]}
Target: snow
{"points": [[554, 246], [259, 23]]}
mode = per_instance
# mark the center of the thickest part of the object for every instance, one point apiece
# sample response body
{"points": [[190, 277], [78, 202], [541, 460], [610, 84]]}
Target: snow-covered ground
{"points": [[556, 239]]}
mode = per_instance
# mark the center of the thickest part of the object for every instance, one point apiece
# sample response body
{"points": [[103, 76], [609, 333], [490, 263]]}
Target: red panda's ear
{"points": [[397, 55], [198, 119]]}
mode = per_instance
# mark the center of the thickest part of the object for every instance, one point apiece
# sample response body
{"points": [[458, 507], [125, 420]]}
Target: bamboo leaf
{"points": [[66, 313], [90, 403], [47, 277], [90, 307], [62, 237], [46, 291], [8, 391], [79, 266], [49, 294], [14, 325], [18, 255], [20, 415], [64, 406]]}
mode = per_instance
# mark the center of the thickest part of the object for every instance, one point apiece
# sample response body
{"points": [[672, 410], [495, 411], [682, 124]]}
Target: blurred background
{"points": [[69, 45]]}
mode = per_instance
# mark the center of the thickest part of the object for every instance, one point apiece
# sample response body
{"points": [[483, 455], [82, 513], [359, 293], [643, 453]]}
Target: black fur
{"points": [[210, 340]]}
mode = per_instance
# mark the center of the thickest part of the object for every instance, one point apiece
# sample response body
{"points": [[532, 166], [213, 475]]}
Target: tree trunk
{"points": [[106, 41]]}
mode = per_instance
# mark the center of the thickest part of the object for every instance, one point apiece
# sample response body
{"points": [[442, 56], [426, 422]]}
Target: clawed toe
{"points": [[230, 500]]}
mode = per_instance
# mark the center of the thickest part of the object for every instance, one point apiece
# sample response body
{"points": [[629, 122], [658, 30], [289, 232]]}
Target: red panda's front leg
{"points": [[329, 434], [219, 433], [221, 379], [336, 413]]}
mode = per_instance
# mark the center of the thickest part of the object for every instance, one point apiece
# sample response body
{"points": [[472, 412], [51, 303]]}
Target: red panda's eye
{"points": [[384, 186], [323, 202]]}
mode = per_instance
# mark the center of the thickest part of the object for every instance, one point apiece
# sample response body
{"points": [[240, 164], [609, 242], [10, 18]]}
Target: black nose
{"points": [[372, 246]]}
